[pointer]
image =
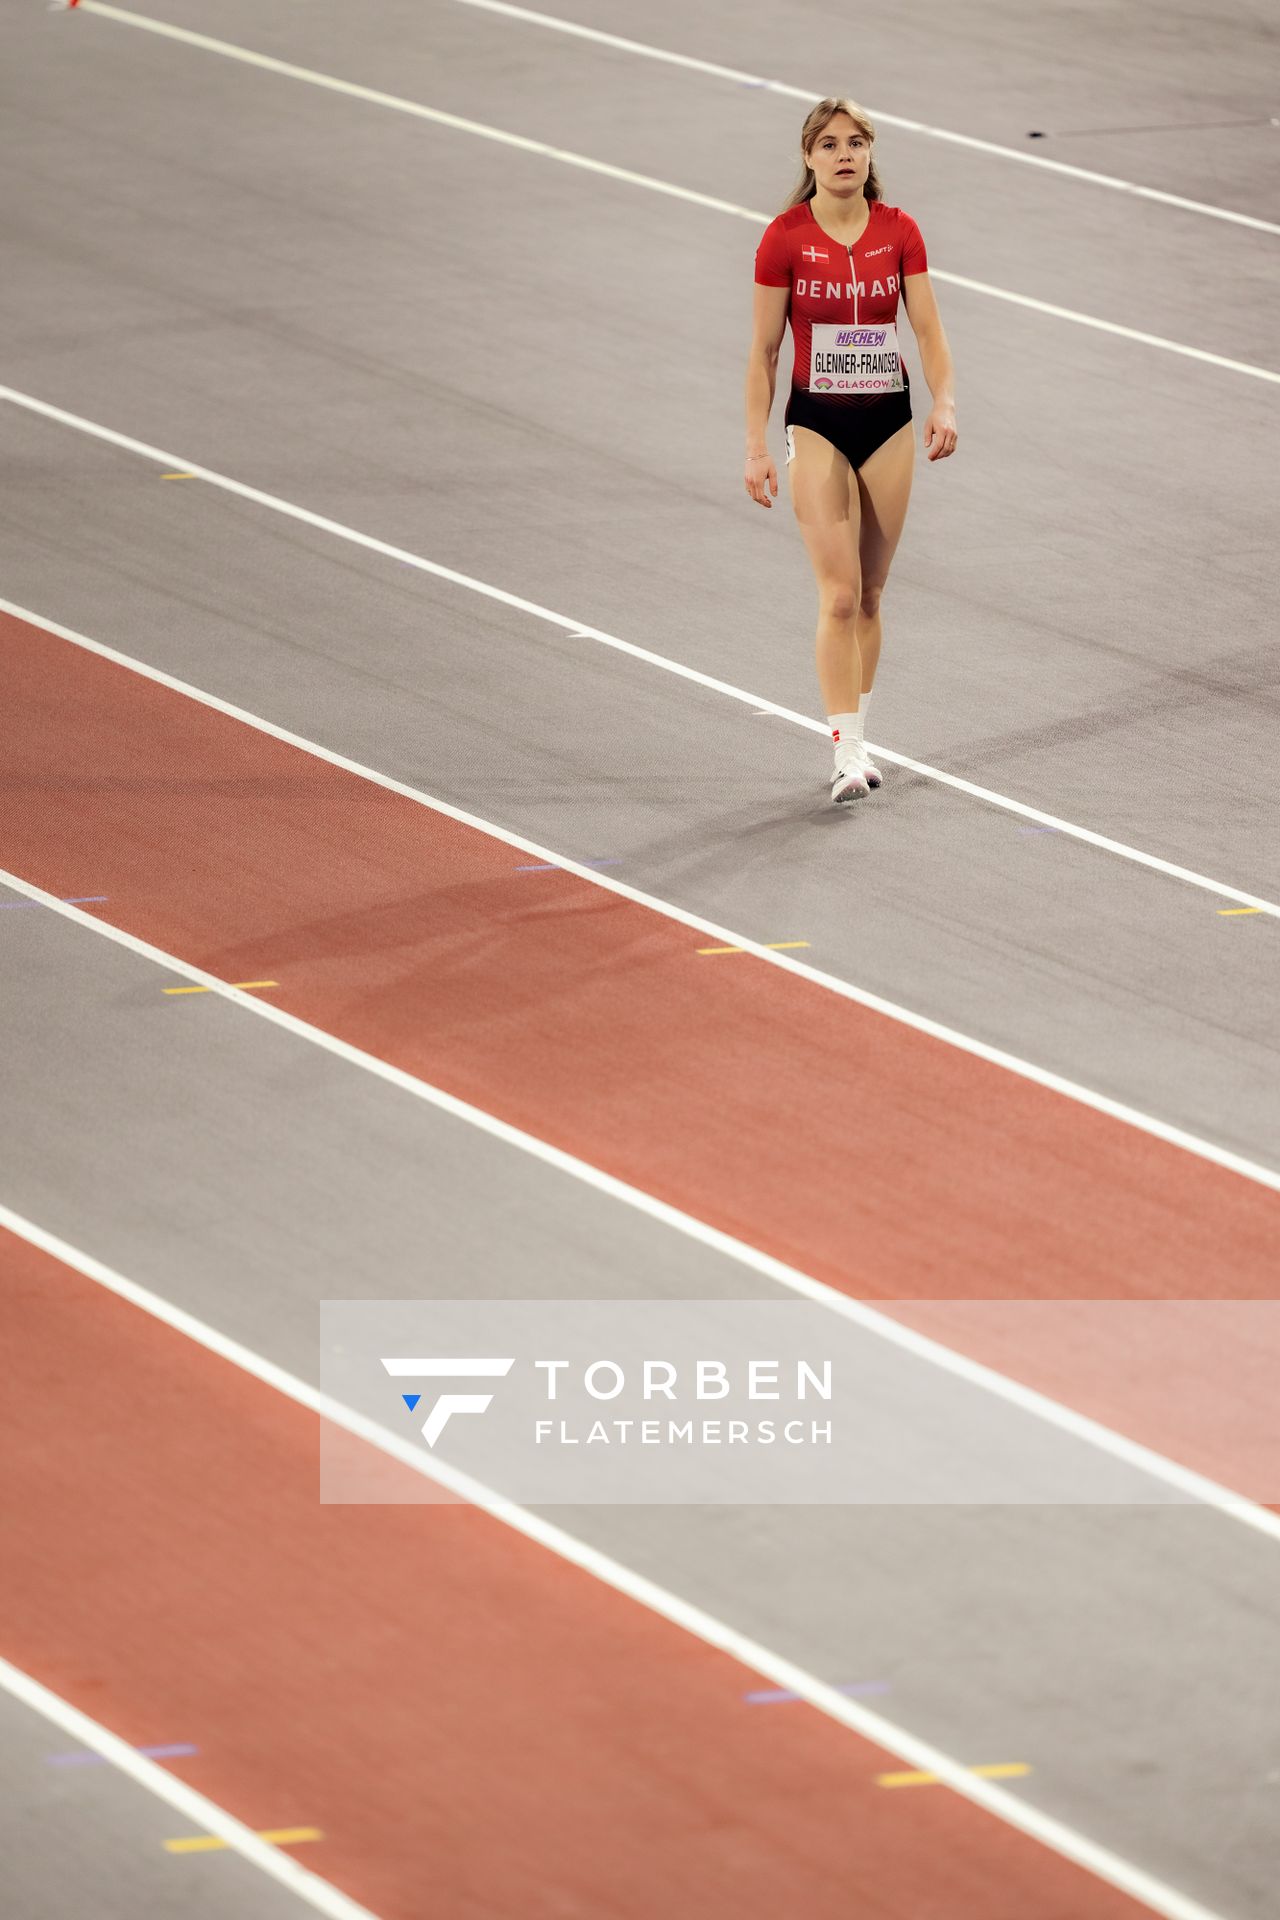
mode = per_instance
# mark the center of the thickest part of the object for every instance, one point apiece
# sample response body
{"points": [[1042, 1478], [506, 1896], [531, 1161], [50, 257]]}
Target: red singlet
{"points": [[796, 253]]}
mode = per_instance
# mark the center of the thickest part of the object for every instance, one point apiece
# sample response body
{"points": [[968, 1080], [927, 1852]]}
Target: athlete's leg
{"points": [[884, 488], [824, 495]]}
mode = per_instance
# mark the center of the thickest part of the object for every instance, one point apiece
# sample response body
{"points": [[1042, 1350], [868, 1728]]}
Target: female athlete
{"points": [[835, 261]]}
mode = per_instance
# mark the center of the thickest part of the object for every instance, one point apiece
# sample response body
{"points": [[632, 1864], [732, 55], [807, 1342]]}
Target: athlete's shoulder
{"points": [[785, 223], [773, 255], [898, 222]]}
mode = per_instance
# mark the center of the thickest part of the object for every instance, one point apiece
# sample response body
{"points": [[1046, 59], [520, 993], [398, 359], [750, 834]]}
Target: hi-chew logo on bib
{"points": [[849, 359]]}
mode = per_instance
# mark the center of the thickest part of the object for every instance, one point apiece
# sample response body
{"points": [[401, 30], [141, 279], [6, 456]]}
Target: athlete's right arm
{"points": [[769, 324]]}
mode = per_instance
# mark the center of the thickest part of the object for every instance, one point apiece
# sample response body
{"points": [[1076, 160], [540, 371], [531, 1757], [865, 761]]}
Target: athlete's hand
{"points": [[940, 433], [760, 478]]}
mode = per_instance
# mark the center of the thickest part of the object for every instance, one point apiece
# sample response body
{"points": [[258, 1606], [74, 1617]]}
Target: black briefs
{"points": [[856, 424]]}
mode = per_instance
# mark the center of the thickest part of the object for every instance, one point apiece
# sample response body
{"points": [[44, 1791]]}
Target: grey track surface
{"points": [[92, 1840], [306, 293], [1109, 1648]]}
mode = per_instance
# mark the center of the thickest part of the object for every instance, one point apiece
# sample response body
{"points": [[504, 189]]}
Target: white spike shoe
{"points": [[849, 780]]}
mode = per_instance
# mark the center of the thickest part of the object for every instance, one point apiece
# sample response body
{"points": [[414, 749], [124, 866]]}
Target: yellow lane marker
{"points": [[1230, 913], [779, 944], [244, 986], [1005, 1770], [209, 1843], [177, 476]]}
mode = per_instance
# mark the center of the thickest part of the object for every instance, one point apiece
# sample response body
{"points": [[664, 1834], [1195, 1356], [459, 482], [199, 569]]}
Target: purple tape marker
{"points": [[79, 900], [84, 1758], [553, 866], [860, 1688]]}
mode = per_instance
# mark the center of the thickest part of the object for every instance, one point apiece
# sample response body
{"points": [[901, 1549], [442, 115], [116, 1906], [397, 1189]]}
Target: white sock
{"points": [[845, 729], [864, 701]]}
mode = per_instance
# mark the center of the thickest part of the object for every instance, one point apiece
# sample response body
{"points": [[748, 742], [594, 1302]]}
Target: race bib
{"points": [[849, 359]]}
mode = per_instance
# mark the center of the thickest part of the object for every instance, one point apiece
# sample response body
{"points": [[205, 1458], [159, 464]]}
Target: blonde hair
{"points": [[817, 122]]}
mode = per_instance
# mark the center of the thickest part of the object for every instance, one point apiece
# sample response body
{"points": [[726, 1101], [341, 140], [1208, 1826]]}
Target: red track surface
{"points": [[591, 1021], [479, 1730]]}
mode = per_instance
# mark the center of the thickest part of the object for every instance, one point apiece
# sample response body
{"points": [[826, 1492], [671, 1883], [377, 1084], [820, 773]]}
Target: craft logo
{"points": [[861, 337]]}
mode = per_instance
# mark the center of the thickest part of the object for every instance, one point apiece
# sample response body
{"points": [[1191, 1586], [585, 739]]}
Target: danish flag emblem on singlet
{"points": [[811, 253]]}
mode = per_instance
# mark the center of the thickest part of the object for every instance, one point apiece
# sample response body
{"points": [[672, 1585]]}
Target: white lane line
{"points": [[811, 95], [921, 1023], [918, 1754], [1109, 326], [1187, 1483], [193, 1806], [482, 130], [575, 630]]}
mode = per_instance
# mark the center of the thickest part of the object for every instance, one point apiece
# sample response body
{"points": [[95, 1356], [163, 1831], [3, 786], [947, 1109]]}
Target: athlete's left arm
{"points": [[935, 357]]}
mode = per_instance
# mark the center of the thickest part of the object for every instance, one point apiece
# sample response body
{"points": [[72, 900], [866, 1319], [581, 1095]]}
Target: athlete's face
{"points": [[840, 157]]}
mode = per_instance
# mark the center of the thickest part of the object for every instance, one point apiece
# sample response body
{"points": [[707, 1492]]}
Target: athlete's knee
{"points": [[869, 601], [839, 600]]}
